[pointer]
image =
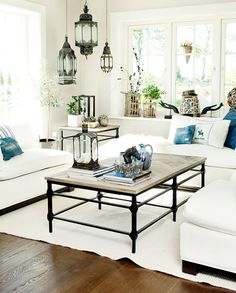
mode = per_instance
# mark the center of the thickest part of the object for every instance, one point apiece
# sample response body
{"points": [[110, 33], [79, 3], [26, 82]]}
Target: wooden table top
{"points": [[164, 167]]}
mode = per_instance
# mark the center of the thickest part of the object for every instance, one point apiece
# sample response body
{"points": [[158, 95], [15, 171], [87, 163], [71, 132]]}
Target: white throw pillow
{"points": [[219, 133], [202, 133], [218, 128]]}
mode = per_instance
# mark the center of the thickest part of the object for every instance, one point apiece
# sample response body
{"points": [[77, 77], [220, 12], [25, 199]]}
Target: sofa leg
{"points": [[190, 267]]}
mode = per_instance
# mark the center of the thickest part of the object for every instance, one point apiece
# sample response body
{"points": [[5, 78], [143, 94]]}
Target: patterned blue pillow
{"points": [[184, 135], [230, 141], [10, 148]]}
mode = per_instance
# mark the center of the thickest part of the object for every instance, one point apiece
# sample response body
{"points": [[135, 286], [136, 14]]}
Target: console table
{"points": [[103, 132]]}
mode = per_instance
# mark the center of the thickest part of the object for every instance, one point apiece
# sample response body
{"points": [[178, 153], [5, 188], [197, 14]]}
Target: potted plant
{"points": [[74, 110], [49, 98], [188, 48], [151, 94]]}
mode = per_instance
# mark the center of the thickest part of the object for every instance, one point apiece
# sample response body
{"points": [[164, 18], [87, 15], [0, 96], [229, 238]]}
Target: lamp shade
{"points": [[86, 33], [106, 60], [66, 64]]}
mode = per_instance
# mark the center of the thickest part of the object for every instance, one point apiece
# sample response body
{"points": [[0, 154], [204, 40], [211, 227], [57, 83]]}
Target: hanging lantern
{"points": [[86, 33], [85, 150], [106, 60], [66, 64]]}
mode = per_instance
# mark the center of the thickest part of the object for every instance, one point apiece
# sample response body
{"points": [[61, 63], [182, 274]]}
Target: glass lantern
{"points": [[106, 60], [86, 33], [66, 64], [85, 150]]}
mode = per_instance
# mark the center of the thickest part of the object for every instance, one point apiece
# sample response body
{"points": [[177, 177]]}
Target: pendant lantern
{"points": [[66, 62], [106, 60], [86, 32]]}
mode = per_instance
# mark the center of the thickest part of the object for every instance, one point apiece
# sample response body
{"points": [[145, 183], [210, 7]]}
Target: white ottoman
{"points": [[208, 235]]}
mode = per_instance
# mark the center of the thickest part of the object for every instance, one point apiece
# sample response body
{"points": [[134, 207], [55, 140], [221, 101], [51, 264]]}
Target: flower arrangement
{"points": [[135, 79]]}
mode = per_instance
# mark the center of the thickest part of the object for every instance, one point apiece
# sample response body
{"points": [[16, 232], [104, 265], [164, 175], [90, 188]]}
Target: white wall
{"points": [[90, 79], [55, 36]]}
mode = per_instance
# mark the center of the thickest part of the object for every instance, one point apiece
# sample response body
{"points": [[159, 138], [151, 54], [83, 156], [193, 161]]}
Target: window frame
{"points": [[223, 54], [121, 21], [215, 60], [166, 52]]}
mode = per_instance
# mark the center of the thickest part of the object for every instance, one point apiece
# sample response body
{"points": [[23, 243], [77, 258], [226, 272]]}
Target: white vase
{"points": [[74, 120]]}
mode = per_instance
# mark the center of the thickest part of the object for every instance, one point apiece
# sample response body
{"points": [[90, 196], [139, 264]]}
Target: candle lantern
{"points": [[85, 150]]}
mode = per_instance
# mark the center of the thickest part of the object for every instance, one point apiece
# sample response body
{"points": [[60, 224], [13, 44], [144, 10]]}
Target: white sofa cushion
{"points": [[216, 157], [113, 147], [233, 176], [33, 160], [215, 129], [213, 207], [24, 135]]}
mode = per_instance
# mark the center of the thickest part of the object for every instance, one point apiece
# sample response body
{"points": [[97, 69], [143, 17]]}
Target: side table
{"points": [[103, 132]]}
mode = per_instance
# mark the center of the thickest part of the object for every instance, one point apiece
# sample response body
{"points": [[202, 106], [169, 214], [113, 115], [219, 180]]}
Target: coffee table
{"points": [[166, 169]]}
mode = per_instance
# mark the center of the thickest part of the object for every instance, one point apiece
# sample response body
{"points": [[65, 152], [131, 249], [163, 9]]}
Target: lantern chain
{"points": [[66, 20]]}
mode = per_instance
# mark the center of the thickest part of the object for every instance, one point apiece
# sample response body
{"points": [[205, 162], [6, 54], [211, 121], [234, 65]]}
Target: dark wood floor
{"points": [[33, 266]]}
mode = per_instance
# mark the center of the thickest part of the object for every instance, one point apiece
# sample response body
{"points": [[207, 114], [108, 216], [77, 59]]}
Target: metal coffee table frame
{"points": [[135, 204]]}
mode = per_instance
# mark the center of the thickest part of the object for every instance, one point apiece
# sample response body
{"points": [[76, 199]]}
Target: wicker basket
{"points": [[132, 104]]}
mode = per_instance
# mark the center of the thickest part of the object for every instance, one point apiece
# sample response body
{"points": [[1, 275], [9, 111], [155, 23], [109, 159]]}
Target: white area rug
{"points": [[157, 247]]}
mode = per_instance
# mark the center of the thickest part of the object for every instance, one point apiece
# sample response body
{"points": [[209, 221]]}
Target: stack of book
{"points": [[119, 178], [89, 174]]}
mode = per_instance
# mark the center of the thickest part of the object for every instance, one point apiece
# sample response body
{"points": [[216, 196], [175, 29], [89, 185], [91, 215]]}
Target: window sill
{"points": [[160, 118]]}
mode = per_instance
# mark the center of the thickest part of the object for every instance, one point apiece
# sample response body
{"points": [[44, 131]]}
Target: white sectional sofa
{"points": [[207, 237], [220, 163], [22, 178]]}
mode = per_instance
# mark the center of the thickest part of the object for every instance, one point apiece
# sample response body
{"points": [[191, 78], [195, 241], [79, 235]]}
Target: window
{"points": [[20, 62], [149, 43], [194, 61], [161, 36], [229, 57]]}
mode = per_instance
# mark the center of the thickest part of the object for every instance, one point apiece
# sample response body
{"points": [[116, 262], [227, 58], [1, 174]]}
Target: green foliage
{"points": [[74, 107], [152, 91]]}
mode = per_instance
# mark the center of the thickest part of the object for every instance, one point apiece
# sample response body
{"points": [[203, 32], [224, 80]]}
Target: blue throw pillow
{"points": [[184, 135], [10, 148], [230, 141]]}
